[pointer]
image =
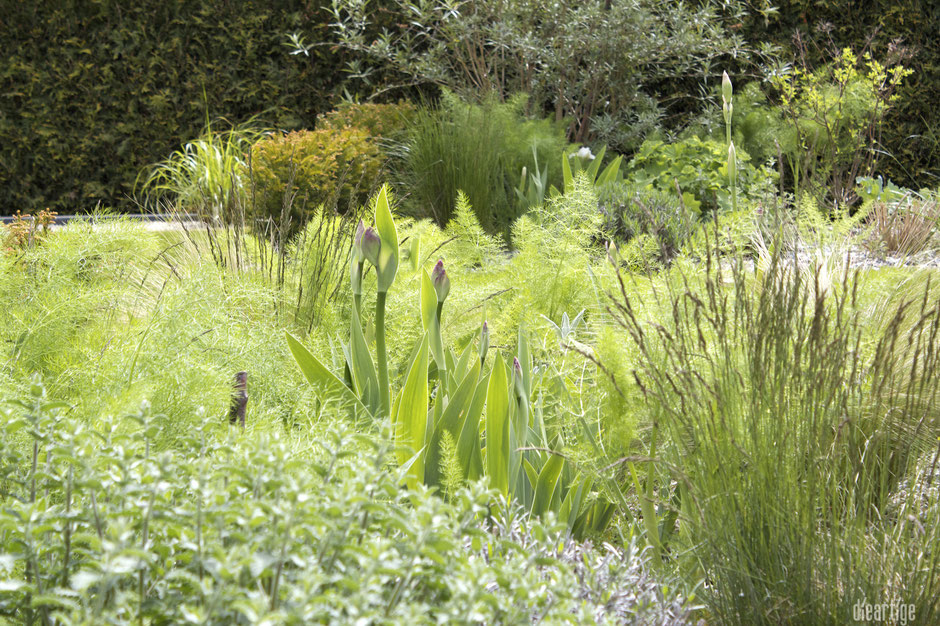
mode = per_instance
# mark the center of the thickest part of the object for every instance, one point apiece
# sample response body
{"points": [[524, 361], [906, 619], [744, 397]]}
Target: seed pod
{"points": [[357, 242], [613, 255], [518, 379]]}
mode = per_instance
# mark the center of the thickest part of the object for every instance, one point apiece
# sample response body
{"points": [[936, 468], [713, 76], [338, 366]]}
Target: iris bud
{"points": [[357, 241], [371, 245], [518, 379], [440, 281]]}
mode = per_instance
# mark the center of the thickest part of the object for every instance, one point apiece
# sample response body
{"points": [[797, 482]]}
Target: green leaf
{"points": [[428, 300], [566, 172], [547, 484], [319, 376], [411, 416], [610, 172], [451, 421], [389, 254], [362, 368], [600, 514], [525, 361], [460, 368], [469, 449], [531, 473], [571, 506], [591, 170], [647, 508], [497, 428]]}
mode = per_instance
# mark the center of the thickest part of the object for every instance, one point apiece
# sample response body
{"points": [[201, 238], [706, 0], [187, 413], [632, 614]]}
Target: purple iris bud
{"points": [[357, 242], [371, 244], [441, 281]]}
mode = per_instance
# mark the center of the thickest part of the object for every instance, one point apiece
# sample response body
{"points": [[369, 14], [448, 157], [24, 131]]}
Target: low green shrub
{"points": [[378, 120], [293, 175], [698, 169], [631, 213], [98, 526], [336, 166]]}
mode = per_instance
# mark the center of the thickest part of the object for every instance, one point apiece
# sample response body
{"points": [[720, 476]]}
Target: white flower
{"points": [[584, 153]]}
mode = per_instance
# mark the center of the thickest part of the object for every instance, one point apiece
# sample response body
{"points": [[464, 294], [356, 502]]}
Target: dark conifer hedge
{"points": [[93, 90]]}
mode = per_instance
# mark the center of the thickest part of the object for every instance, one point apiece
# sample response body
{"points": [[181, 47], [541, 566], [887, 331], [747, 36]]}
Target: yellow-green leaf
{"points": [[411, 420], [547, 484], [497, 428], [319, 376]]}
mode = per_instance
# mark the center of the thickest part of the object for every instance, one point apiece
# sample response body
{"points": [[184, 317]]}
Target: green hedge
{"points": [[93, 90], [911, 132]]}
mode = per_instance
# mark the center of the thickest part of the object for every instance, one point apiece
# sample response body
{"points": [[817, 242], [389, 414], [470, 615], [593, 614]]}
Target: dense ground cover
{"points": [[689, 396], [686, 369]]}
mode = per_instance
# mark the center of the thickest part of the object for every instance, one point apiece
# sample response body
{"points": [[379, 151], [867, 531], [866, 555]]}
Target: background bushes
{"points": [[297, 172], [93, 90], [337, 165], [903, 29]]}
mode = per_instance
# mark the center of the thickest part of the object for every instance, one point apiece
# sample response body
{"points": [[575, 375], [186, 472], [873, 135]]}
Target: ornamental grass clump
{"points": [[205, 176], [790, 436]]}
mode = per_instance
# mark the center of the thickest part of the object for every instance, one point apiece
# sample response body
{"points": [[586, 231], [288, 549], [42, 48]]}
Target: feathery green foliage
{"points": [[111, 315]]}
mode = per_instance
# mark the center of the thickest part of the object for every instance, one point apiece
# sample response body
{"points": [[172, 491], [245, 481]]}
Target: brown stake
{"points": [[236, 413]]}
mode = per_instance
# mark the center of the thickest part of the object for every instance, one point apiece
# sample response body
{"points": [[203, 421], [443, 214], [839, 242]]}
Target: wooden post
{"points": [[236, 412]]}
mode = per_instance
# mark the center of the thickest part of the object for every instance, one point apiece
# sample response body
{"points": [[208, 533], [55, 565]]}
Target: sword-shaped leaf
{"points": [[411, 416], [362, 368], [319, 376], [450, 421], [547, 483], [497, 428]]}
